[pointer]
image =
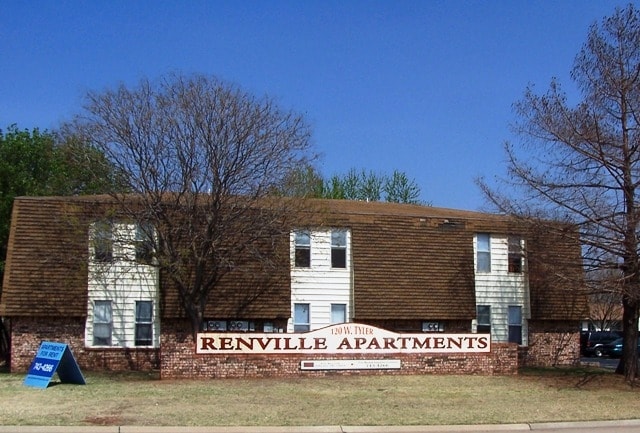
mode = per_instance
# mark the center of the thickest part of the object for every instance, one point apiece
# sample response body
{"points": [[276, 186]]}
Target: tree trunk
{"points": [[629, 360], [196, 317]]}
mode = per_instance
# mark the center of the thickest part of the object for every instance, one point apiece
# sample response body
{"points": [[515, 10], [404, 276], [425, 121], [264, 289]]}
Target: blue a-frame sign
{"points": [[53, 358]]}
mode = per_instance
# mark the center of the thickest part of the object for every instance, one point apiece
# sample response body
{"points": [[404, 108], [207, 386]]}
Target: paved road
{"points": [[603, 362]]}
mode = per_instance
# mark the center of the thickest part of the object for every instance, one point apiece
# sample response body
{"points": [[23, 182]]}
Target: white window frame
{"points": [[483, 253], [301, 317], [339, 249], [514, 322], [144, 243], [143, 323], [483, 321], [338, 313], [302, 246], [102, 242], [516, 254], [102, 320]]}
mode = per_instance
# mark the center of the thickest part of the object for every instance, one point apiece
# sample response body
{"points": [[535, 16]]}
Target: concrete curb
{"points": [[436, 428], [585, 424], [323, 429]]}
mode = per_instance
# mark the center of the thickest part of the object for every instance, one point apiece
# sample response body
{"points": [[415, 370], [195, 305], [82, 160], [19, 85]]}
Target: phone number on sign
{"points": [[39, 366]]}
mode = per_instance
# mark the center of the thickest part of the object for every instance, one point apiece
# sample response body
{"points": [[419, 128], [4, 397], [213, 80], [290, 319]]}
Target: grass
{"points": [[140, 399]]}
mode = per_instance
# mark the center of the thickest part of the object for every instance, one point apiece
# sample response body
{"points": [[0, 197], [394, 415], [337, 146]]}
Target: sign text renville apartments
{"points": [[343, 338]]}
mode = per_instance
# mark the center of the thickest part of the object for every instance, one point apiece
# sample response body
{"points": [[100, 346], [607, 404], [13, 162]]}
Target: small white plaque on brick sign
{"points": [[351, 364]]}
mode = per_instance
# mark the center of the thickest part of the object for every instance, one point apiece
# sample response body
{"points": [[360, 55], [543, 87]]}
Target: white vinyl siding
{"points": [[123, 282], [501, 289], [320, 285]]}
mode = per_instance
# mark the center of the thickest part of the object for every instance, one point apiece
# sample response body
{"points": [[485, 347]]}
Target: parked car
{"points": [[614, 349], [591, 342]]}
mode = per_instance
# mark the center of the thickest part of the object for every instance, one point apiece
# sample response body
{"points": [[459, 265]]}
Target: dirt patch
{"points": [[105, 420]]}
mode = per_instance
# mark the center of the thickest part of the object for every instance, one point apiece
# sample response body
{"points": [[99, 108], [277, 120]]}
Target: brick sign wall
{"points": [[181, 360]]}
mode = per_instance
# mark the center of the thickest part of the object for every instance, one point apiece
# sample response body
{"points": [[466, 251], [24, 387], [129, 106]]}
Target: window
{"points": [[484, 319], [515, 254], [144, 243], [103, 241], [338, 249], [515, 324], [301, 318], [338, 313], [102, 323], [144, 323], [483, 252], [302, 249]]}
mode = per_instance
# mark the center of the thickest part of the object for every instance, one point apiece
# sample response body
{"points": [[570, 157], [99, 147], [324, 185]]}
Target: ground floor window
{"points": [[120, 323], [515, 324], [301, 318], [484, 319], [144, 323], [338, 313], [102, 323]]}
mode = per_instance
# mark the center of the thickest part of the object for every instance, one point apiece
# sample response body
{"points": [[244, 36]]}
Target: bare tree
{"points": [[604, 310], [200, 158], [581, 163], [605, 304]]}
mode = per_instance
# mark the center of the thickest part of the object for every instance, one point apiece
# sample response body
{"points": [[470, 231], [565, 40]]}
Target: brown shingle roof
{"points": [[416, 262], [410, 262], [412, 269], [46, 270]]}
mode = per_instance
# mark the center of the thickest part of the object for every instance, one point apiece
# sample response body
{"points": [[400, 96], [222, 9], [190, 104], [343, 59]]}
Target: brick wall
{"points": [[28, 333], [552, 344], [179, 360]]}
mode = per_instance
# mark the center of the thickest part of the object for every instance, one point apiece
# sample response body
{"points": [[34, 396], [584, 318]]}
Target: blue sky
{"points": [[425, 87]]}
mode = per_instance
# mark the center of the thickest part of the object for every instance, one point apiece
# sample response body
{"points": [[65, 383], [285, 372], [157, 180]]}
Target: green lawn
{"points": [[140, 399]]}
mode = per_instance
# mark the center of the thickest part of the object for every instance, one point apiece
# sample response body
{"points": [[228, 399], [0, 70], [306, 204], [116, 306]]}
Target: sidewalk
{"points": [[604, 426]]}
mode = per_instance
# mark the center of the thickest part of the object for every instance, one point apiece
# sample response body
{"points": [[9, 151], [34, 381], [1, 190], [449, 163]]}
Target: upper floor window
{"points": [[483, 252], [338, 249], [515, 254], [302, 241], [144, 243], [103, 241]]}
